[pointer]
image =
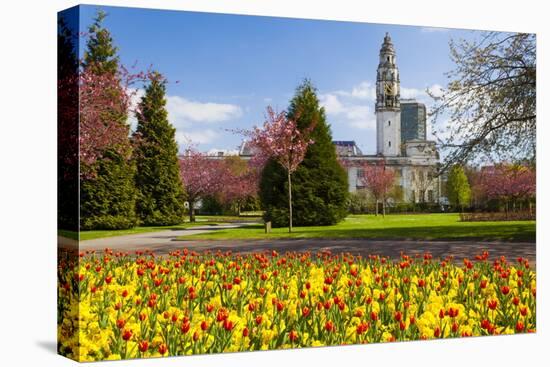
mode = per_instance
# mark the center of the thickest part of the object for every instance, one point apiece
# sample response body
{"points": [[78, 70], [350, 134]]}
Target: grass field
{"points": [[201, 221], [417, 226]]}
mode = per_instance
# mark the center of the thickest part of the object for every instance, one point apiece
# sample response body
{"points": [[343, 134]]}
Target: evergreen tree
{"points": [[108, 199], [458, 187], [100, 54], [320, 184], [107, 192], [160, 190]]}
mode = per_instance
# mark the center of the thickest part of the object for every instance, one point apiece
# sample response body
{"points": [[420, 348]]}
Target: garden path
{"points": [[166, 241]]}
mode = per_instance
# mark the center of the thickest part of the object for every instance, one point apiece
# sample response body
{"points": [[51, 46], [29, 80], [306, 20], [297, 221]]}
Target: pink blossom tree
{"points": [[508, 182], [201, 176], [281, 140], [241, 184], [379, 180], [105, 102]]}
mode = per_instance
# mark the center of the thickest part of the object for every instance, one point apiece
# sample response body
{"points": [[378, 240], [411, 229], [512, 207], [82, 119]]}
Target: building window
{"points": [[389, 123], [430, 196], [388, 58], [389, 143]]}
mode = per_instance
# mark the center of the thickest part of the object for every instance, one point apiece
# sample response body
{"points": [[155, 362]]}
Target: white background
{"points": [[28, 181]]}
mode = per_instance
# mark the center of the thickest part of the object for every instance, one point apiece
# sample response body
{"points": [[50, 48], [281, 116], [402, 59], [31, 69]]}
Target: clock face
{"points": [[388, 88]]}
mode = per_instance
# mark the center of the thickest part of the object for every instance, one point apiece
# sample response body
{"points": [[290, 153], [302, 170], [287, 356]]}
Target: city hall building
{"points": [[401, 140]]}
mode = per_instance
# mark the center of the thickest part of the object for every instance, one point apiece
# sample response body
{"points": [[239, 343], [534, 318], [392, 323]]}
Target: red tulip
{"points": [[228, 325], [127, 334], [143, 346], [519, 326], [185, 326], [163, 349], [293, 335], [362, 327]]}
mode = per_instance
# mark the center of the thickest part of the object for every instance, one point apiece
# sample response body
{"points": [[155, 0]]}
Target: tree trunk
{"points": [[506, 209], [289, 203], [384, 208], [191, 211], [376, 208]]}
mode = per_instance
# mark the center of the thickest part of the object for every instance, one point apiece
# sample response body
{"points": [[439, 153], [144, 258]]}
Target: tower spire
{"points": [[388, 109]]}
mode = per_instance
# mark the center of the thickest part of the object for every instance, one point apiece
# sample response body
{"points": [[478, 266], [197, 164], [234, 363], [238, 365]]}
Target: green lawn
{"points": [[415, 226], [201, 221]]}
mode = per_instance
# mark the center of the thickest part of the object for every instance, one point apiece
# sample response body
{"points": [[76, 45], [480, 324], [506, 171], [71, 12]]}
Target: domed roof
{"points": [[387, 46]]}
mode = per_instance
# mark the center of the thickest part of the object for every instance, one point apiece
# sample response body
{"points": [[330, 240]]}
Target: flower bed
{"points": [[116, 306], [498, 216]]}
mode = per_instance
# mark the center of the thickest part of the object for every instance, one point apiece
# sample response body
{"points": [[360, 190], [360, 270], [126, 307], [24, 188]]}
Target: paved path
{"points": [[165, 241]]}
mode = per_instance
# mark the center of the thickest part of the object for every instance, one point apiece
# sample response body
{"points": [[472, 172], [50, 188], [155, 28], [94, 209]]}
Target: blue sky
{"points": [[230, 67]]}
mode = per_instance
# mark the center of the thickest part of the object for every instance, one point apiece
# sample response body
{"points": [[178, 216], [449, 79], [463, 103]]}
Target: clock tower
{"points": [[388, 109]]}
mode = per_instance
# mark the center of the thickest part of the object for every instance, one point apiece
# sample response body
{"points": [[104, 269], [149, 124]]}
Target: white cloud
{"points": [[350, 108], [183, 114], [364, 90], [189, 117], [182, 111], [421, 95], [186, 138], [412, 93], [436, 90], [361, 117], [135, 98], [332, 103]]}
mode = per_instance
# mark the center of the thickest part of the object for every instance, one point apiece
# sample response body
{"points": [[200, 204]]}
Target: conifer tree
{"points": [[160, 191], [320, 184], [100, 54], [107, 191]]}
